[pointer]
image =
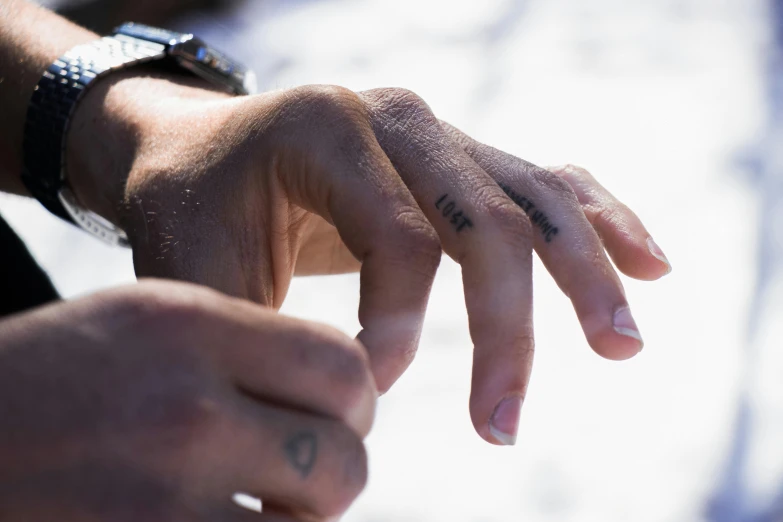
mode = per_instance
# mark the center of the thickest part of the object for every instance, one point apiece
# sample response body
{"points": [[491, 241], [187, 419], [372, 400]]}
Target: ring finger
{"points": [[568, 246]]}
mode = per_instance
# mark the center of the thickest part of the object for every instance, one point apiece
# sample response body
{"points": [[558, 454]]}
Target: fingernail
{"points": [[505, 421], [656, 251], [625, 325]]}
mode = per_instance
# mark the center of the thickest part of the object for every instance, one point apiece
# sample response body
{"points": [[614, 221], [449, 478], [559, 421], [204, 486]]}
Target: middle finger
{"points": [[486, 234]]}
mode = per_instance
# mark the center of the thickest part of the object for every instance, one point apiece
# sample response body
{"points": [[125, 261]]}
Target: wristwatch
{"points": [[64, 83]]}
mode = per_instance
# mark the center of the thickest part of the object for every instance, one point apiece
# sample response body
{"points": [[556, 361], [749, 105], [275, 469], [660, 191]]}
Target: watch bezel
{"points": [[152, 34], [195, 55]]}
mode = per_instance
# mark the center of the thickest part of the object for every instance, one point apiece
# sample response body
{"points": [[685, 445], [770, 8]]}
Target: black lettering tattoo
{"points": [[537, 217], [459, 219], [301, 450]]}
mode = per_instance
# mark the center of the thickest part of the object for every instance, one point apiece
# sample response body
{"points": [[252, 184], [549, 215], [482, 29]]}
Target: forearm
{"points": [[101, 142], [31, 38]]}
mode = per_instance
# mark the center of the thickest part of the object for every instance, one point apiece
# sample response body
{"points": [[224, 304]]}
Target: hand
{"points": [[160, 401], [242, 193]]}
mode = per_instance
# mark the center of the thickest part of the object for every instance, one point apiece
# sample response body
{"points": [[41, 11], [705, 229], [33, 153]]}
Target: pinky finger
{"points": [[627, 241]]}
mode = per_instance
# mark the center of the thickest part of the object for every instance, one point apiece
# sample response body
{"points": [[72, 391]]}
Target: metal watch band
{"points": [[48, 117]]}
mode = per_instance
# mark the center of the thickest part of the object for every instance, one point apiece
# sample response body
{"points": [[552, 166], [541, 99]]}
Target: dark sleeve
{"points": [[23, 284]]}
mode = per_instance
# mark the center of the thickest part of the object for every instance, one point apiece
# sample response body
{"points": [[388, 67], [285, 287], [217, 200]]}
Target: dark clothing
{"points": [[23, 284]]}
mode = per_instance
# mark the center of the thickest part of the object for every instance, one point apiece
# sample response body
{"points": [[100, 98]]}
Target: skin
{"points": [[159, 401], [242, 193]]}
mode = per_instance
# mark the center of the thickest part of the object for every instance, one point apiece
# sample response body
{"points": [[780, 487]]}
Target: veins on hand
{"points": [[301, 450], [456, 217], [537, 217]]}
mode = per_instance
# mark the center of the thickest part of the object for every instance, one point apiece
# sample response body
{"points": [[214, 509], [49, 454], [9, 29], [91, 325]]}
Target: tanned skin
{"points": [[240, 194]]}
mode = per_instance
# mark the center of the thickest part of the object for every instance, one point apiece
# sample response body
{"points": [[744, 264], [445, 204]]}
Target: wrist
{"points": [[100, 146], [118, 119]]}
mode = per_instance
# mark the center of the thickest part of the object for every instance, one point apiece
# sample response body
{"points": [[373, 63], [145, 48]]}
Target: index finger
{"points": [[277, 359], [346, 178]]}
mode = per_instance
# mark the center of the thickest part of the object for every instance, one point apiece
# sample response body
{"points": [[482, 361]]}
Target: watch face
{"points": [[212, 65], [152, 34]]}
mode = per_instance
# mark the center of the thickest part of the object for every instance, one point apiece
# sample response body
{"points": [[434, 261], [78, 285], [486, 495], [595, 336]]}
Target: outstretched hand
{"points": [[240, 194]]}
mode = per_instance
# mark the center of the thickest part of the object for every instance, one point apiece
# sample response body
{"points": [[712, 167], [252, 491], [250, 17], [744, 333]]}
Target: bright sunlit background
{"points": [[672, 105]]}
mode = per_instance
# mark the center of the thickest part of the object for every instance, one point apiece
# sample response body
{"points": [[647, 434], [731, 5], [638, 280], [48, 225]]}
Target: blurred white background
{"points": [[671, 104]]}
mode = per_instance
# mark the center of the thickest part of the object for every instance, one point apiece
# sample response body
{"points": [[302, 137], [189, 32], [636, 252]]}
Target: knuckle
{"points": [[191, 416], [329, 105], [341, 361], [348, 475], [348, 370], [517, 344], [130, 306], [523, 344], [404, 106], [421, 244], [604, 217], [553, 183], [570, 171], [510, 218], [156, 304], [575, 169], [403, 98]]}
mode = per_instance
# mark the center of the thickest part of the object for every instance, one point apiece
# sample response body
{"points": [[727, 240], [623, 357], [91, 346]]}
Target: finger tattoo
{"points": [[301, 450], [537, 216], [457, 217]]}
